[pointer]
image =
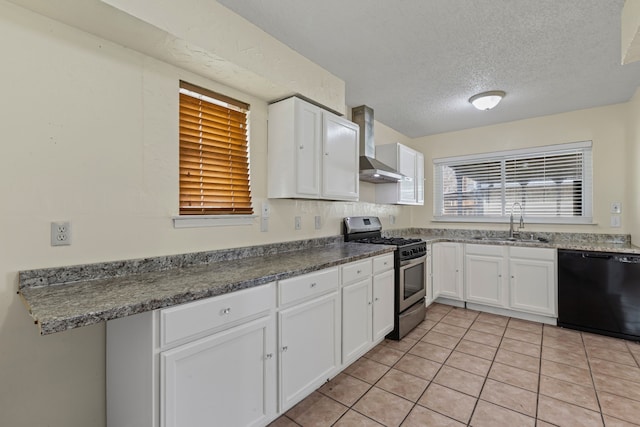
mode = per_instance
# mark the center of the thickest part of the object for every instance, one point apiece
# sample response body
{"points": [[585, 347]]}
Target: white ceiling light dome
{"points": [[487, 100]]}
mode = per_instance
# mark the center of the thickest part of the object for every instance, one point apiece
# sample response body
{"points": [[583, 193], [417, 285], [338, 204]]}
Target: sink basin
{"points": [[512, 239], [496, 239]]}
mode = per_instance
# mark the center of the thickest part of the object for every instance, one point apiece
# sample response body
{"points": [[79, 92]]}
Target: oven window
{"points": [[413, 280]]}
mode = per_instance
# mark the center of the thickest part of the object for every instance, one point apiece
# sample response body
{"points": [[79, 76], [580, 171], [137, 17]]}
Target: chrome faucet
{"points": [[520, 226]]}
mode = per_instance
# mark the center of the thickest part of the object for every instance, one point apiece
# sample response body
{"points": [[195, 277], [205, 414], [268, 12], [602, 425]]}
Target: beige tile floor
{"points": [[462, 367]]}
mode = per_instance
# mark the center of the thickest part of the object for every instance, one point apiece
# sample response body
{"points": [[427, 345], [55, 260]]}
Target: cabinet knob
{"points": [[302, 147], [269, 356], [513, 277], [377, 299], [313, 285], [225, 311], [359, 271], [285, 348], [499, 275], [369, 302]]}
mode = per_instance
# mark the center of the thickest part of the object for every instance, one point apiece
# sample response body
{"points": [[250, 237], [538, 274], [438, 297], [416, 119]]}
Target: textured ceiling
{"points": [[417, 62]]}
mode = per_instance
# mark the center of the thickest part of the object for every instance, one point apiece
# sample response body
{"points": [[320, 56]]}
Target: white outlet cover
{"points": [[61, 233]]}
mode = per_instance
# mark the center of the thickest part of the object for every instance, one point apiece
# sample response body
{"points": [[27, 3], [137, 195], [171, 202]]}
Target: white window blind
{"points": [[552, 183]]}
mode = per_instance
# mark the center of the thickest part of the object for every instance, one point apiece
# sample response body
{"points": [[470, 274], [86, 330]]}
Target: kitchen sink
{"points": [[530, 239]]}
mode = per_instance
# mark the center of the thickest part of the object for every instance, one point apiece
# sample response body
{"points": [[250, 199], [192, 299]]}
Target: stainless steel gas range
{"points": [[410, 262]]}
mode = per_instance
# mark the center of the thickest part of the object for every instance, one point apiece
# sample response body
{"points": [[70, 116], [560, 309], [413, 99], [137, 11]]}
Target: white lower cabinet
{"points": [[533, 280], [356, 319], [367, 305], [521, 279], [194, 364], [228, 377], [383, 301], [447, 265], [309, 345], [486, 274], [241, 359]]}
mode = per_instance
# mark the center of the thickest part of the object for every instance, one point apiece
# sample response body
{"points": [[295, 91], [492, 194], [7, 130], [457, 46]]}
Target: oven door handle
{"points": [[412, 261]]}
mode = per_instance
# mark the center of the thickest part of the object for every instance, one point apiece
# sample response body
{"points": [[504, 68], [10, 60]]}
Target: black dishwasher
{"points": [[599, 292]]}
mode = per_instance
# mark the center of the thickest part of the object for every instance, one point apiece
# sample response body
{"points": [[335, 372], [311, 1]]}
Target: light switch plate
{"points": [[318, 220], [615, 221], [616, 208], [298, 223], [266, 209]]}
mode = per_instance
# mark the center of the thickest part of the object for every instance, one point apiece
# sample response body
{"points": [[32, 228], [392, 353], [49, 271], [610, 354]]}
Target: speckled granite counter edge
{"points": [[79, 273]]}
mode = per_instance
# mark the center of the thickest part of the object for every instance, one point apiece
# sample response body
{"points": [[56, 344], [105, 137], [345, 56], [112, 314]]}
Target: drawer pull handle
{"points": [[269, 356], [385, 263], [314, 284], [225, 311], [285, 348]]}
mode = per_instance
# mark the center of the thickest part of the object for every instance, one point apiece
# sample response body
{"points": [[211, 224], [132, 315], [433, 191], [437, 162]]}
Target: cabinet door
{"points": [[407, 167], [484, 281], [419, 178], [533, 286], [383, 302], [447, 270], [309, 347], [356, 320], [308, 141], [340, 158], [228, 377]]}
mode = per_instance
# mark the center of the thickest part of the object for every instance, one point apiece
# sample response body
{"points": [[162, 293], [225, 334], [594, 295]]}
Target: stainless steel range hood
{"points": [[371, 170]]}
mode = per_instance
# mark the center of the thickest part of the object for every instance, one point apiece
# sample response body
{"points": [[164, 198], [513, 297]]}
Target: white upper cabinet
{"points": [[312, 153], [408, 162]]}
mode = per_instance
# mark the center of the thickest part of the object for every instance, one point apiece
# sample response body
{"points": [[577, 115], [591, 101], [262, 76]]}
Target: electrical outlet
{"points": [[60, 233], [298, 223], [392, 219], [318, 220], [264, 224]]}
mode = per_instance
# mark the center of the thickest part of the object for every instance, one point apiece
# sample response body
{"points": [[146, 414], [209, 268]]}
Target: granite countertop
{"points": [[69, 297], [575, 241], [57, 307]]}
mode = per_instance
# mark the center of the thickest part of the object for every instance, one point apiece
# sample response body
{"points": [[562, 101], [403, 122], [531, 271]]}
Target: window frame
{"points": [[585, 147], [208, 217]]}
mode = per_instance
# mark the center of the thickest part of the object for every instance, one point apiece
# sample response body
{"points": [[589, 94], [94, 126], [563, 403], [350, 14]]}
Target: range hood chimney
{"points": [[371, 170]]}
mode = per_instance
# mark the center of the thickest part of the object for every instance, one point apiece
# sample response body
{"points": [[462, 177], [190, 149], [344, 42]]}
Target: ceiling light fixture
{"points": [[487, 100]]}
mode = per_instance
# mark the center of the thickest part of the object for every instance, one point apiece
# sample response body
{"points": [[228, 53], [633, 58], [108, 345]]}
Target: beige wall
{"points": [[633, 168], [605, 126], [89, 135]]}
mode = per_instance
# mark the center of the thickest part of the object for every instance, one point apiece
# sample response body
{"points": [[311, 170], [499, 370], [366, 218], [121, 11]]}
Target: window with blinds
{"points": [[214, 154], [553, 184]]}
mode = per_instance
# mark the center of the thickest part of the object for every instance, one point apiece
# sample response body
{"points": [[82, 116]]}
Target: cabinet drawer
{"points": [[356, 271], [382, 263], [194, 318], [307, 286]]}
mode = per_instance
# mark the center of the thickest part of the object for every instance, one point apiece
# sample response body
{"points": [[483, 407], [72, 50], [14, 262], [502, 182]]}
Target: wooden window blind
{"points": [[552, 184], [214, 154]]}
